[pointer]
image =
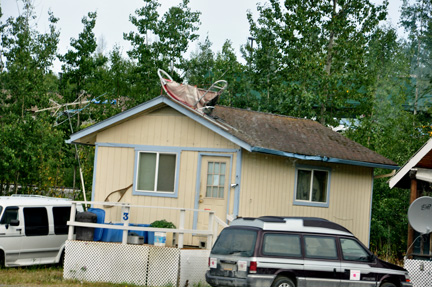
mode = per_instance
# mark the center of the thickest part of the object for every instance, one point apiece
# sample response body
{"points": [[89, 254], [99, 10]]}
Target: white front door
{"points": [[214, 188]]}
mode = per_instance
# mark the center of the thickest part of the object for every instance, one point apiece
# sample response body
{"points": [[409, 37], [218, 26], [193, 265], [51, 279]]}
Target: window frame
{"points": [[344, 254], [155, 192], [321, 256], [31, 212], [281, 234], [310, 202]]}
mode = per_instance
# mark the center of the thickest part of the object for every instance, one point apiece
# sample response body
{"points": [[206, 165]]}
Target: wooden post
{"points": [[125, 219], [72, 220], [181, 226], [210, 228], [413, 196]]}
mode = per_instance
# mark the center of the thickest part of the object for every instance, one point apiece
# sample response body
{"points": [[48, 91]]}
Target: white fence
{"points": [[144, 265], [420, 272], [213, 223], [139, 264]]}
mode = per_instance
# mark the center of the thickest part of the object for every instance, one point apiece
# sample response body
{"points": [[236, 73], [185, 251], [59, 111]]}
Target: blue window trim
{"points": [[174, 194], [311, 203]]}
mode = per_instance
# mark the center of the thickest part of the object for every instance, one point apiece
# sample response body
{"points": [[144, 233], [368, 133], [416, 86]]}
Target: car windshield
{"points": [[238, 242]]}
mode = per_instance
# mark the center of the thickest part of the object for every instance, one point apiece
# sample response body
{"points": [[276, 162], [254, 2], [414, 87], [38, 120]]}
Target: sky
{"points": [[221, 21]]}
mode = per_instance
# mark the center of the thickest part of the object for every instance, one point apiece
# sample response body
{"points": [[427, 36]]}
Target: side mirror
{"points": [[371, 257], [14, 222]]}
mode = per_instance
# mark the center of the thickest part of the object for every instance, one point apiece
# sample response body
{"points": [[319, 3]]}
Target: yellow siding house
{"points": [[237, 163]]}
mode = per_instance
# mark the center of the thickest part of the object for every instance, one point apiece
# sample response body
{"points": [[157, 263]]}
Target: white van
{"points": [[33, 229]]}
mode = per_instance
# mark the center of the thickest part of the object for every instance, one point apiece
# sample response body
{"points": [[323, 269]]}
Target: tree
{"points": [[172, 35], [30, 157], [228, 68], [81, 62], [393, 132], [200, 67], [416, 19], [310, 57]]}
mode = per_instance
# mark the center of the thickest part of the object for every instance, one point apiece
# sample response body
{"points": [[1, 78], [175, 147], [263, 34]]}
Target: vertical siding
{"points": [[164, 127], [267, 188]]}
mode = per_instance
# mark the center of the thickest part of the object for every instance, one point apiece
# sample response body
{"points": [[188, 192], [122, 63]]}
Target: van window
{"points": [[11, 212], [239, 242], [61, 216], [352, 250], [277, 244], [36, 221], [320, 247]]}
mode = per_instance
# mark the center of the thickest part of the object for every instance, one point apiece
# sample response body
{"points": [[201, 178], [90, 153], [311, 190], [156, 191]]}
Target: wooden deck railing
{"points": [[213, 222]]}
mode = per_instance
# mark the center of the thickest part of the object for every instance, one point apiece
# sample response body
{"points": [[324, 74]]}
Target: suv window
{"points": [[233, 241], [11, 212], [36, 221], [320, 247], [277, 244], [61, 216], [352, 250]]}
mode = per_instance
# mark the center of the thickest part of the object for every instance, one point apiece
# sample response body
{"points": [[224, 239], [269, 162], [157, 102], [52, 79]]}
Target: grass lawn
{"points": [[43, 275]]}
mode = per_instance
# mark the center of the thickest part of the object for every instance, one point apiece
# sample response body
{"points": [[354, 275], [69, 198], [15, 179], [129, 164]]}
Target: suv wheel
{"points": [[388, 284], [281, 281]]}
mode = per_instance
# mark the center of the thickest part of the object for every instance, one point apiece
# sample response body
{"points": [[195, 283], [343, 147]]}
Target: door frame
{"points": [[198, 181]]}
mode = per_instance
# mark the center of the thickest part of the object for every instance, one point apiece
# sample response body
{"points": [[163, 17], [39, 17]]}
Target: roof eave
{"points": [[207, 122], [414, 160], [323, 158]]}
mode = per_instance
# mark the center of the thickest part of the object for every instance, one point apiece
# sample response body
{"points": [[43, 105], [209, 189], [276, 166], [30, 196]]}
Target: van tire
{"points": [[281, 281], [61, 261], [2, 259], [387, 284]]}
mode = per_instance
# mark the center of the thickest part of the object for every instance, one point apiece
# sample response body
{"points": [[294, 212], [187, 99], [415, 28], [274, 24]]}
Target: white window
{"points": [[312, 185], [156, 172], [216, 179]]}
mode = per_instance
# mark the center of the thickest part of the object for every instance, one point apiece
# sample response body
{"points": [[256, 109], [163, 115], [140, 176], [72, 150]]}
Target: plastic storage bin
{"points": [[100, 213], [85, 233]]}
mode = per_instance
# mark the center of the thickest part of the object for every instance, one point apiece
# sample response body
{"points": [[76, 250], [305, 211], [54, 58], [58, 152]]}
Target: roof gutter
{"points": [[323, 158]]}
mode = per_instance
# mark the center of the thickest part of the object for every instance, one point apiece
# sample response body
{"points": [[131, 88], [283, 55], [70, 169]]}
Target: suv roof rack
{"points": [[307, 221]]}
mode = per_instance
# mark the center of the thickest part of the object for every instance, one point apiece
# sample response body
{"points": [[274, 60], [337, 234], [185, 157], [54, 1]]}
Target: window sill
{"points": [[310, 203], [155, 194]]}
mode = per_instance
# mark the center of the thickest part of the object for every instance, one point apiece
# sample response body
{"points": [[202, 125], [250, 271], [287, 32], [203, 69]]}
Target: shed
{"points": [[235, 162], [416, 175]]}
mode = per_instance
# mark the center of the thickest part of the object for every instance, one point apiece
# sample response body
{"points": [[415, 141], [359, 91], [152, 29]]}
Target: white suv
{"points": [[296, 252], [33, 229]]}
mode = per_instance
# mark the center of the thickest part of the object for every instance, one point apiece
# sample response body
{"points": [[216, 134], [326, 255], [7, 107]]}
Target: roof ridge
{"points": [[266, 113]]}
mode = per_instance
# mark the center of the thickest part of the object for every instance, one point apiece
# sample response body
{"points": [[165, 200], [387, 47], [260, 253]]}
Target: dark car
{"points": [[288, 252]]}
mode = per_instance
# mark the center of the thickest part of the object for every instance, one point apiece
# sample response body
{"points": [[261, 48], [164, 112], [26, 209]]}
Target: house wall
{"points": [[267, 188], [115, 162]]}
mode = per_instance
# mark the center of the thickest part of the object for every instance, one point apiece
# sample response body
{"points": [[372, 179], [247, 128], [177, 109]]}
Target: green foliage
{"points": [[310, 56], [318, 59], [174, 31], [162, 224]]}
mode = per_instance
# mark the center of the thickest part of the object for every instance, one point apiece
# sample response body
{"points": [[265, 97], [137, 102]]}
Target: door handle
{"points": [[201, 201]]}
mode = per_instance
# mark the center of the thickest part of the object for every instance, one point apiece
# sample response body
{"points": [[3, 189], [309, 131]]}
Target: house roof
{"points": [[260, 132], [296, 137], [422, 159]]}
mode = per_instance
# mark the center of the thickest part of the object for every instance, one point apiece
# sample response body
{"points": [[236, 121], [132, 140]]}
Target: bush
{"points": [[162, 224]]}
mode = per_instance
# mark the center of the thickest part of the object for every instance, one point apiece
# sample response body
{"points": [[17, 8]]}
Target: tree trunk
{"points": [[328, 68]]}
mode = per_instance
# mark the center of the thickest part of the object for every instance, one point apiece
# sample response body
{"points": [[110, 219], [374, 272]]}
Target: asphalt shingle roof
{"points": [[293, 135]]}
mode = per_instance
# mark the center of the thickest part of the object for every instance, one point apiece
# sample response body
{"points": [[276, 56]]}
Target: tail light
{"points": [[253, 267]]}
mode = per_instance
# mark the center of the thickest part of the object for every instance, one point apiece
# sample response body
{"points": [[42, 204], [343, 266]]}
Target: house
{"points": [[235, 162], [416, 175]]}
